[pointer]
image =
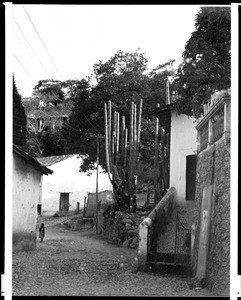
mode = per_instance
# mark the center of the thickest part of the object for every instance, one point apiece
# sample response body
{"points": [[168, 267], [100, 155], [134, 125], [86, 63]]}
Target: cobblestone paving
{"points": [[80, 263]]}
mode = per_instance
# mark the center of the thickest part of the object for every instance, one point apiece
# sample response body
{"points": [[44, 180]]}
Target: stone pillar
{"points": [[204, 232], [226, 129], [143, 239], [209, 132], [192, 242], [198, 141]]}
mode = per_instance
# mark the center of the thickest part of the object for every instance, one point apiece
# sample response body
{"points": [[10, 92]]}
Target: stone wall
{"points": [[121, 228], [218, 267]]}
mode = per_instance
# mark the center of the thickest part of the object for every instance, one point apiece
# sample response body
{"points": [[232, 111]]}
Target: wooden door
{"points": [[64, 202], [191, 161]]}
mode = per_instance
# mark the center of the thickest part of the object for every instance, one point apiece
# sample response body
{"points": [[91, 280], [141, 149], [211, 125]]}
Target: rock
{"points": [[142, 213], [133, 246], [127, 221], [135, 240], [148, 208], [128, 226], [133, 232], [126, 243]]}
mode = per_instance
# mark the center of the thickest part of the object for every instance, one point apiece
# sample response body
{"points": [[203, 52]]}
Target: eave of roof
{"points": [[51, 160], [167, 107], [31, 160]]}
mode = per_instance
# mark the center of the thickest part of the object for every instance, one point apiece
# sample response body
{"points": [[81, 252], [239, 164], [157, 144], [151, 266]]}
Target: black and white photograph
{"points": [[118, 170]]}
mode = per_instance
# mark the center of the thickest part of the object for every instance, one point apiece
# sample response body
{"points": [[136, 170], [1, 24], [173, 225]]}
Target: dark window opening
{"points": [[191, 161], [39, 208]]}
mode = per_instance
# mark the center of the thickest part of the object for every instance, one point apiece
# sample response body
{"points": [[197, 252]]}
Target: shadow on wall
{"points": [[24, 241]]}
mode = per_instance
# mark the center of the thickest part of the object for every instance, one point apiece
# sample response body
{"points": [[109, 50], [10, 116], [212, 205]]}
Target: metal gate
{"points": [[182, 243], [180, 256]]}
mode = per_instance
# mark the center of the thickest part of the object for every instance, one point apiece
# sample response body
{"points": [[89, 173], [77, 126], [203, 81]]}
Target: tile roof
{"points": [[32, 161], [47, 114], [51, 160]]}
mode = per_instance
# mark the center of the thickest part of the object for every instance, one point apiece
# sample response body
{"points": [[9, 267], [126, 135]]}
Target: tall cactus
{"points": [[121, 157]]}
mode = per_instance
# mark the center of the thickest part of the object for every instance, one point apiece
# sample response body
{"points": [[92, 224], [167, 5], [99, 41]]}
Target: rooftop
{"points": [[51, 160], [31, 160]]}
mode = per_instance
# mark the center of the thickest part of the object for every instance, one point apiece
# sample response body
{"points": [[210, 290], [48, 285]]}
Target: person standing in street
{"points": [[41, 232]]}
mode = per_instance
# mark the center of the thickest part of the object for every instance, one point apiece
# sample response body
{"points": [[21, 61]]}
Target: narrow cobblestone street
{"points": [[81, 263]]}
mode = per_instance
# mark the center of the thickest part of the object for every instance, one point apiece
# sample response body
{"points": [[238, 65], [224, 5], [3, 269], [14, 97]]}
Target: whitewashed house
{"points": [[66, 189], [27, 185], [183, 151]]}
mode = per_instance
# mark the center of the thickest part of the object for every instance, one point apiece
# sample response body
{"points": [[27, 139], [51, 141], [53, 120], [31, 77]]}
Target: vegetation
{"points": [[206, 60], [125, 78], [19, 119], [122, 79]]}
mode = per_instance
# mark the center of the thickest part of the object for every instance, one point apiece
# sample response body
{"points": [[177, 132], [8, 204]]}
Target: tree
{"points": [[85, 118], [52, 100], [206, 60], [44, 135], [156, 87], [19, 118], [53, 143], [122, 79], [49, 91]]}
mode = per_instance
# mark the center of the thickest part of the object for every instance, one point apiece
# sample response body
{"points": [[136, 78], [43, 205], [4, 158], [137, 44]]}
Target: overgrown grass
{"points": [[24, 241]]}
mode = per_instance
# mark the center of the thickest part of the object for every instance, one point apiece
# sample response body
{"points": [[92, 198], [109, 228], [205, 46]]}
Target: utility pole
{"points": [[131, 164], [98, 137], [156, 163], [97, 179]]}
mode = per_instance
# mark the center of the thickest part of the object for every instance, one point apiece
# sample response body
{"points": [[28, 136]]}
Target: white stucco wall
{"points": [[67, 179], [26, 194], [183, 143]]}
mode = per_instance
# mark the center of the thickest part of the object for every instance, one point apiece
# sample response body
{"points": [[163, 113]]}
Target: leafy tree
{"points": [[52, 99], [156, 87], [45, 139], [19, 118], [30, 105], [53, 143], [122, 79], [49, 91], [206, 60], [83, 120]]}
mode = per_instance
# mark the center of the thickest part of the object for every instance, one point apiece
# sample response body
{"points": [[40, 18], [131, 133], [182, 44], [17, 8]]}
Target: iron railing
{"points": [[182, 243], [204, 137], [217, 125]]}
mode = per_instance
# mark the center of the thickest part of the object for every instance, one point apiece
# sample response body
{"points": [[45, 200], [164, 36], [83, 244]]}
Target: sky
{"points": [[65, 41]]}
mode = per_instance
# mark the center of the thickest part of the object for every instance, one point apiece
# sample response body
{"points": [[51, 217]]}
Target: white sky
{"points": [[78, 36]]}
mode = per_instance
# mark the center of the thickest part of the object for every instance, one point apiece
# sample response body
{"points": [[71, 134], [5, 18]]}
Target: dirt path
{"points": [[80, 263]]}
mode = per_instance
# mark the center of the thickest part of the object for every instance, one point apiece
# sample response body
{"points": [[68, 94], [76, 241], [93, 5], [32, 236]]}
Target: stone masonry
{"points": [[218, 268]]}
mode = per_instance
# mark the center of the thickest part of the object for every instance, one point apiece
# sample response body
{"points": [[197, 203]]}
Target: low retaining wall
{"points": [[121, 228], [163, 209]]}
